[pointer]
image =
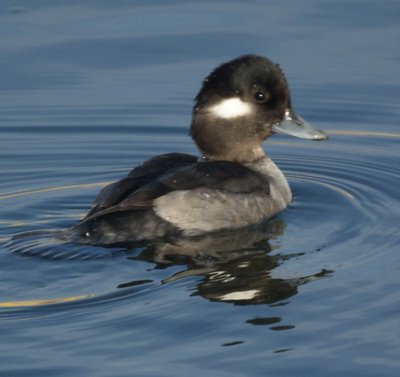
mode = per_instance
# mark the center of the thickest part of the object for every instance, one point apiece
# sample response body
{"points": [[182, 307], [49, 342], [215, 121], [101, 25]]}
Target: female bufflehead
{"points": [[233, 185]]}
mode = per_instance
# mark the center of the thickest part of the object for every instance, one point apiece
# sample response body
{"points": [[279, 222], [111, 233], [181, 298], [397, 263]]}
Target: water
{"points": [[87, 91]]}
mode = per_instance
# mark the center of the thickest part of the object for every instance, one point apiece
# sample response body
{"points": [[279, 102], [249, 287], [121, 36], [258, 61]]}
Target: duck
{"points": [[231, 184]]}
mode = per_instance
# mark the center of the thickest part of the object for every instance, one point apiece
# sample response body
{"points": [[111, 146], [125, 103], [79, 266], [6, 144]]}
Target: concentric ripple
{"points": [[345, 193]]}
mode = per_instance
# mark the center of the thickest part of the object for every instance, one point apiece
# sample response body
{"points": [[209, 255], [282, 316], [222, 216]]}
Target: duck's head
{"points": [[240, 104]]}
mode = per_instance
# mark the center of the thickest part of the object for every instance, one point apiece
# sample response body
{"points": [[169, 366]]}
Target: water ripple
{"points": [[341, 188]]}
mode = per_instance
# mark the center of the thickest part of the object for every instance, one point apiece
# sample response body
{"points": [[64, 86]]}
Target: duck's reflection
{"points": [[235, 266]]}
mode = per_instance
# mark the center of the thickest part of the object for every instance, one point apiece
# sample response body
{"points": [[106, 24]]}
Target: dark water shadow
{"points": [[234, 266]]}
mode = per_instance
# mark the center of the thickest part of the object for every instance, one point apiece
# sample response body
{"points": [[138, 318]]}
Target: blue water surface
{"points": [[89, 89]]}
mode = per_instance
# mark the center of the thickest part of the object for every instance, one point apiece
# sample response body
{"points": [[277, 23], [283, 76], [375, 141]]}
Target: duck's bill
{"points": [[296, 126]]}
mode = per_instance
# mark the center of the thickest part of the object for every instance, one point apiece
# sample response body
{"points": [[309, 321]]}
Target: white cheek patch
{"points": [[231, 108]]}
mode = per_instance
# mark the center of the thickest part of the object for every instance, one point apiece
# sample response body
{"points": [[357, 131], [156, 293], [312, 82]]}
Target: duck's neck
{"points": [[278, 182], [240, 154]]}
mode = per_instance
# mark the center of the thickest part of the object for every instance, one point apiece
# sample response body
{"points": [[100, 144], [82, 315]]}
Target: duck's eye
{"points": [[260, 96]]}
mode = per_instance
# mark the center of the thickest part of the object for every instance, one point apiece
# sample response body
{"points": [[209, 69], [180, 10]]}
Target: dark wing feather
{"points": [[116, 192], [218, 175]]}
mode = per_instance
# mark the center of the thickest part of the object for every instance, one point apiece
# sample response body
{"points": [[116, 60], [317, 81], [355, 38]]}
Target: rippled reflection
{"points": [[234, 266]]}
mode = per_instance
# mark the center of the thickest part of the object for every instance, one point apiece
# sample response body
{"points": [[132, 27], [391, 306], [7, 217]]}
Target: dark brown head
{"points": [[238, 107]]}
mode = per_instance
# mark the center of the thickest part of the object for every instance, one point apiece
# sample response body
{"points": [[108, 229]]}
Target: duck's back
{"points": [[174, 193], [148, 171]]}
